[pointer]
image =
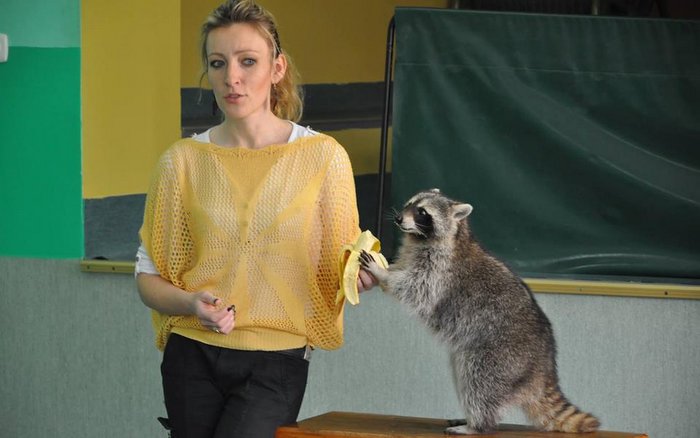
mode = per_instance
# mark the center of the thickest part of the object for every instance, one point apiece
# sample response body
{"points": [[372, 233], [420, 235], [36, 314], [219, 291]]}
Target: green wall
{"points": [[40, 151]]}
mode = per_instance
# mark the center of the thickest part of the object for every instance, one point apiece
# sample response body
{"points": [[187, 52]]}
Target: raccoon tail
{"points": [[554, 413]]}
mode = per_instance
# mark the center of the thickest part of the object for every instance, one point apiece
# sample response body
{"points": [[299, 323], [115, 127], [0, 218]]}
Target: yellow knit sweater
{"points": [[261, 229]]}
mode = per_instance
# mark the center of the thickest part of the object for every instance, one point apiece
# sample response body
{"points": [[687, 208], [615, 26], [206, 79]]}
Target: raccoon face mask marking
{"points": [[430, 215], [415, 220]]}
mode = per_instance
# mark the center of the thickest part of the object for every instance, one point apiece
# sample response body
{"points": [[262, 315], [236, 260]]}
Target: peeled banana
{"points": [[349, 265]]}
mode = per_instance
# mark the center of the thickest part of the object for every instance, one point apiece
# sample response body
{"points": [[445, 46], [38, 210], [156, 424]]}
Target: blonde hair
{"points": [[286, 96]]}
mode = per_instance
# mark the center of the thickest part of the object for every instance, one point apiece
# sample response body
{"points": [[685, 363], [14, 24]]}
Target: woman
{"points": [[242, 232]]}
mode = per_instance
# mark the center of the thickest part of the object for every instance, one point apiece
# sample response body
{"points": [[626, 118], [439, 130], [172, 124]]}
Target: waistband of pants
{"points": [[296, 352]]}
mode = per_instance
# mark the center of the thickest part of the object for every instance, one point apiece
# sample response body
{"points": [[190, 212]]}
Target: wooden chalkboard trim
{"points": [[107, 266], [614, 288]]}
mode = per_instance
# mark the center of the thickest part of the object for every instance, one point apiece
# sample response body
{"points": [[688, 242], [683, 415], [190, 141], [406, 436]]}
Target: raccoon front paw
{"points": [[368, 263]]}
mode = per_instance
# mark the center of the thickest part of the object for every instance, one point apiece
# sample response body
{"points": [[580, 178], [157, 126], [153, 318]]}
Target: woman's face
{"points": [[241, 70]]}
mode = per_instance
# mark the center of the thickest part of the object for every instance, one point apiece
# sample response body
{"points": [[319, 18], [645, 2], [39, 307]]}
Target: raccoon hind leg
{"points": [[468, 427], [460, 429], [481, 402]]}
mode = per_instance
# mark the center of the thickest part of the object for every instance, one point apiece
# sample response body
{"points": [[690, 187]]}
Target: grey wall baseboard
{"points": [[112, 225]]}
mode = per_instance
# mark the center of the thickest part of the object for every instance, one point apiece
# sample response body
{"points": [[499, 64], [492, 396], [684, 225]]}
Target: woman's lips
{"points": [[233, 97]]}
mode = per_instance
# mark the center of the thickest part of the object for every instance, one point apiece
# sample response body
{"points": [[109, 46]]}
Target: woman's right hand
{"points": [[212, 314], [161, 295]]}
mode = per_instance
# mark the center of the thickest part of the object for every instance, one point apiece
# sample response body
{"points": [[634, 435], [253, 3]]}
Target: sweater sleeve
{"points": [[340, 225], [165, 235], [340, 204]]}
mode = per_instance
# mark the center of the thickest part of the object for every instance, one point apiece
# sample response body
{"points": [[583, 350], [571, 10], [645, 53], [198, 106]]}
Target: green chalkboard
{"points": [[577, 139]]}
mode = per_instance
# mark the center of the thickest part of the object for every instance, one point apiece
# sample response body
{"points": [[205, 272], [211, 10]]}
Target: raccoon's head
{"points": [[430, 214]]}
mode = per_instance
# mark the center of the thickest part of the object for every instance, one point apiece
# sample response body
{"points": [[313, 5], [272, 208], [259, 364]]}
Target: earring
{"points": [[273, 98]]}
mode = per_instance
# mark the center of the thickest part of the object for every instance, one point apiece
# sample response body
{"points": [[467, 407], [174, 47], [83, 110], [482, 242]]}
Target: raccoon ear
{"points": [[436, 190], [461, 211]]}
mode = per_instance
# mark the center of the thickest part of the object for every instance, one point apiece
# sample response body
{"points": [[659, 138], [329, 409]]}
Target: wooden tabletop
{"points": [[356, 425]]}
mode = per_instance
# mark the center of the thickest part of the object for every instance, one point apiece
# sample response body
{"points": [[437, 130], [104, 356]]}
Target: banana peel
{"points": [[349, 265]]}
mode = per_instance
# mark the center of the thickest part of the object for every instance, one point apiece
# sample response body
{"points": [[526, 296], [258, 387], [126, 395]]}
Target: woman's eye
{"points": [[217, 63], [248, 61]]}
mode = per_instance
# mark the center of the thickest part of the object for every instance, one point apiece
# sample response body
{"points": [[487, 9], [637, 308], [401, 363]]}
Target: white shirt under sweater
{"points": [[144, 263]]}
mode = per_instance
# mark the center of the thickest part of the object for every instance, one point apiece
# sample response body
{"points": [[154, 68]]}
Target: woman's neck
{"points": [[251, 133]]}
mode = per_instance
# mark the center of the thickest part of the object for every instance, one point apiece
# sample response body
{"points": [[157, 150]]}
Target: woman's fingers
{"points": [[224, 320]]}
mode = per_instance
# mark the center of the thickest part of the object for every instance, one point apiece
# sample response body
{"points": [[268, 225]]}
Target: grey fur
{"points": [[501, 344]]}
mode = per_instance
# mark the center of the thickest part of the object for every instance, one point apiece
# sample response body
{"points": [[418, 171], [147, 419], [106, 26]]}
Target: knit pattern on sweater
{"points": [[261, 229]]}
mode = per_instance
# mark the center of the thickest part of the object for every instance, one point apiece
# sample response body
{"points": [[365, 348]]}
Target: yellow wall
{"points": [[130, 91]]}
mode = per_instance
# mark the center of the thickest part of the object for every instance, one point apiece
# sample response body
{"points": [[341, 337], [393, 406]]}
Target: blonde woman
{"points": [[242, 231]]}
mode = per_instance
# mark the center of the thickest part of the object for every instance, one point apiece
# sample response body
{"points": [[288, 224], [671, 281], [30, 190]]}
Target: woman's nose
{"points": [[232, 75]]}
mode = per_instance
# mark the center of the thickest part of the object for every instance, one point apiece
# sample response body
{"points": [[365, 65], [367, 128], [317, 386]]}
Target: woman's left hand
{"points": [[365, 281]]}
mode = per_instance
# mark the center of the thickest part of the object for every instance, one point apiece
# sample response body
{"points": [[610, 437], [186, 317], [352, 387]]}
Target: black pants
{"points": [[213, 392]]}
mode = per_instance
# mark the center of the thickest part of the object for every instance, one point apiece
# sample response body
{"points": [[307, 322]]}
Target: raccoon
{"points": [[501, 344]]}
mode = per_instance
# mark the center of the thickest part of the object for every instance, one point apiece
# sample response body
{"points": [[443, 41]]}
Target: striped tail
{"points": [[554, 413]]}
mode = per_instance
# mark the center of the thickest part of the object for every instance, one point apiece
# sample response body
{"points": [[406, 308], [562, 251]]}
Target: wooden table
{"points": [[354, 425]]}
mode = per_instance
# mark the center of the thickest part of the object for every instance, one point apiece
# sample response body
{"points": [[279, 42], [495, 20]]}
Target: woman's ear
{"points": [[279, 68]]}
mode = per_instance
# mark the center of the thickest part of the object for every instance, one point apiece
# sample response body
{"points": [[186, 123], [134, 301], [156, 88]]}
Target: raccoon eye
{"points": [[421, 211]]}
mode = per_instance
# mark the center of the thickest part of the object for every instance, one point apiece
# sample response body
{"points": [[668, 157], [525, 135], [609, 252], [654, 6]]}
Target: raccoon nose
{"points": [[398, 219]]}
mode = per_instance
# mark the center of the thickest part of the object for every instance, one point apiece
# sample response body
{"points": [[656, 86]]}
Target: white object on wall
{"points": [[4, 47]]}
